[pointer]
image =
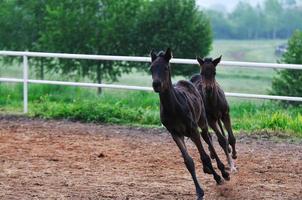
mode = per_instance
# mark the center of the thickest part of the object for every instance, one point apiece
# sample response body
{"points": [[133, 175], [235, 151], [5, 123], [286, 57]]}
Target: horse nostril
{"points": [[156, 84]]}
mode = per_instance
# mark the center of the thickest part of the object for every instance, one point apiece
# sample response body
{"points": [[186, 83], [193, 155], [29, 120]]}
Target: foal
{"points": [[216, 105], [181, 112]]}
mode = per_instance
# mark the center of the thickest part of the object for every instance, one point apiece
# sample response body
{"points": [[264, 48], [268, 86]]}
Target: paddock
{"points": [[71, 160]]}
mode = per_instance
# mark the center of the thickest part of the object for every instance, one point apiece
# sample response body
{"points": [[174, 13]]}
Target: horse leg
{"points": [[228, 126], [220, 165], [203, 123], [222, 131], [208, 139], [211, 140], [206, 161], [189, 164], [224, 144]]}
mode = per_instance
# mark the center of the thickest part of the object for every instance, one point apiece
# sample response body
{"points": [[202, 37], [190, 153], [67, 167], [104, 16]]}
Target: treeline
{"points": [[273, 19], [103, 27]]}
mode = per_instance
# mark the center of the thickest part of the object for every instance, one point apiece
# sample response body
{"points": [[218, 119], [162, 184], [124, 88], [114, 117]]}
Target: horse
{"points": [[182, 112], [216, 106]]}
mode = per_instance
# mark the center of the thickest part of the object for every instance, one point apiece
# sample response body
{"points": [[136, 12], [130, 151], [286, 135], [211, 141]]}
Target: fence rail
{"points": [[145, 59], [26, 81]]}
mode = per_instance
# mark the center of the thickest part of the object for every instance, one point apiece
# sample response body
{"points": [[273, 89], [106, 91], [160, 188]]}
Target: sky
{"points": [[229, 5]]}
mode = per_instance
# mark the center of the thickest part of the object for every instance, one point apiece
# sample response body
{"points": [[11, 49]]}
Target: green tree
{"points": [[103, 27], [90, 27], [21, 24], [245, 21], [288, 82], [176, 24], [290, 20], [221, 25], [272, 19], [273, 12]]}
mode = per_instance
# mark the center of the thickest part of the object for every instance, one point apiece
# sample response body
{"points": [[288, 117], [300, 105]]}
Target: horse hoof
{"points": [[226, 176], [212, 156], [207, 170], [220, 181], [234, 156], [200, 195]]}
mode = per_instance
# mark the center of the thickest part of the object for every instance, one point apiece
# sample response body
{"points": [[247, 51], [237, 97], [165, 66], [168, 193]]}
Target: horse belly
{"points": [[176, 126]]}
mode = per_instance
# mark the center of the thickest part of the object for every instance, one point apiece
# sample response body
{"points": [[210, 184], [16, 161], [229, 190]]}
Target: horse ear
{"points": [[153, 55], [216, 61], [200, 60], [168, 54]]}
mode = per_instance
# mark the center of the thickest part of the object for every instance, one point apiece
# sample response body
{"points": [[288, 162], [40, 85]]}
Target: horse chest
{"points": [[169, 118], [212, 111], [212, 107], [175, 125]]}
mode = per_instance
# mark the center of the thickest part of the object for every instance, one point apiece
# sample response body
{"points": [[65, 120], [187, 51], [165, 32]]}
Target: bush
{"points": [[136, 108], [288, 82]]}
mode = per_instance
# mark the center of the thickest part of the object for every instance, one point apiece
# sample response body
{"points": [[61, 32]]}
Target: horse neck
{"points": [[211, 95], [167, 98]]}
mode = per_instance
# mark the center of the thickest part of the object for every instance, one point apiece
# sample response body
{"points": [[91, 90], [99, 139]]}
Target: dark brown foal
{"points": [[181, 112], [216, 106]]}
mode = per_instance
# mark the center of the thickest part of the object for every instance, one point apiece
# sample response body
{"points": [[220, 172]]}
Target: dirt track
{"points": [[67, 160]]}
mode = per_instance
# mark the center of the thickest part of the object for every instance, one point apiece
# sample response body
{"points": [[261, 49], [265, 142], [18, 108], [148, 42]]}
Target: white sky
{"points": [[223, 4]]}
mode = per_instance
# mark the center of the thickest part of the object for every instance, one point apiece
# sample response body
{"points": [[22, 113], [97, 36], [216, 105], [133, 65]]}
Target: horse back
{"points": [[189, 98]]}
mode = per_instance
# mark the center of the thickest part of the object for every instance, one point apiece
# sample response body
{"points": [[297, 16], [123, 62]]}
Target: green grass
{"points": [[138, 108], [142, 108], [232, 79], [248, 80], [246, 50], [267, 116]]}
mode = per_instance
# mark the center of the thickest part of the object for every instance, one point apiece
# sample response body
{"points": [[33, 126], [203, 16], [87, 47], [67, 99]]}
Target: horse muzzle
{"points": [[157, 86]]}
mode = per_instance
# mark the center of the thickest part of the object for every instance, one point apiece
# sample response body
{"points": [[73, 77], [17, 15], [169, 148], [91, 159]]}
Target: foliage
{"points": [[89, 27], [288, 82], [266, 116], [273, 19], [96, 111], [21, 25], [244, 15], [175, 24], [138, 108], [18, 29], [102, 27]]}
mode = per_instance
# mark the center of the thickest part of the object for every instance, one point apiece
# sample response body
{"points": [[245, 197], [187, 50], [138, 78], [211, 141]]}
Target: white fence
{"points": [[26, 81]]}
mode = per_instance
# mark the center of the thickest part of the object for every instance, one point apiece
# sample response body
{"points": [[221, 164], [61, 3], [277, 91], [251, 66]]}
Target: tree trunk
{"points": [[99, 77]]}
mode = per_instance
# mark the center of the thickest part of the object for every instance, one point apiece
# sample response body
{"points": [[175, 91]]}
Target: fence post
{"points": [[25, 84]]}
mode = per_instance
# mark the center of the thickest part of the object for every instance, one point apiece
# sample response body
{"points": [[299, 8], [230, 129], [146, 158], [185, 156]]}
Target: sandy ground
{"points": [[70, 160]]}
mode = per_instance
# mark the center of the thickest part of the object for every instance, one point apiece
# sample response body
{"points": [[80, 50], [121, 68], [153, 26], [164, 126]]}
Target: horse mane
{"points": [[207, 60], [160, 54]]}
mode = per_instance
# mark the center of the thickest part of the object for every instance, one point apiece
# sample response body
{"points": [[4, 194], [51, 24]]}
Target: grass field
{"points": [[232, 79], [141, 108]]}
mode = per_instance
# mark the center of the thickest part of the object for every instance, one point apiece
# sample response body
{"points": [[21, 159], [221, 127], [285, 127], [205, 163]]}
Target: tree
{"points": [[21, 24], [272, 19], [103, 27], [272, 10], [221, 26], [245, 21], [288, 82], [176, 24], [90, 27]]}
